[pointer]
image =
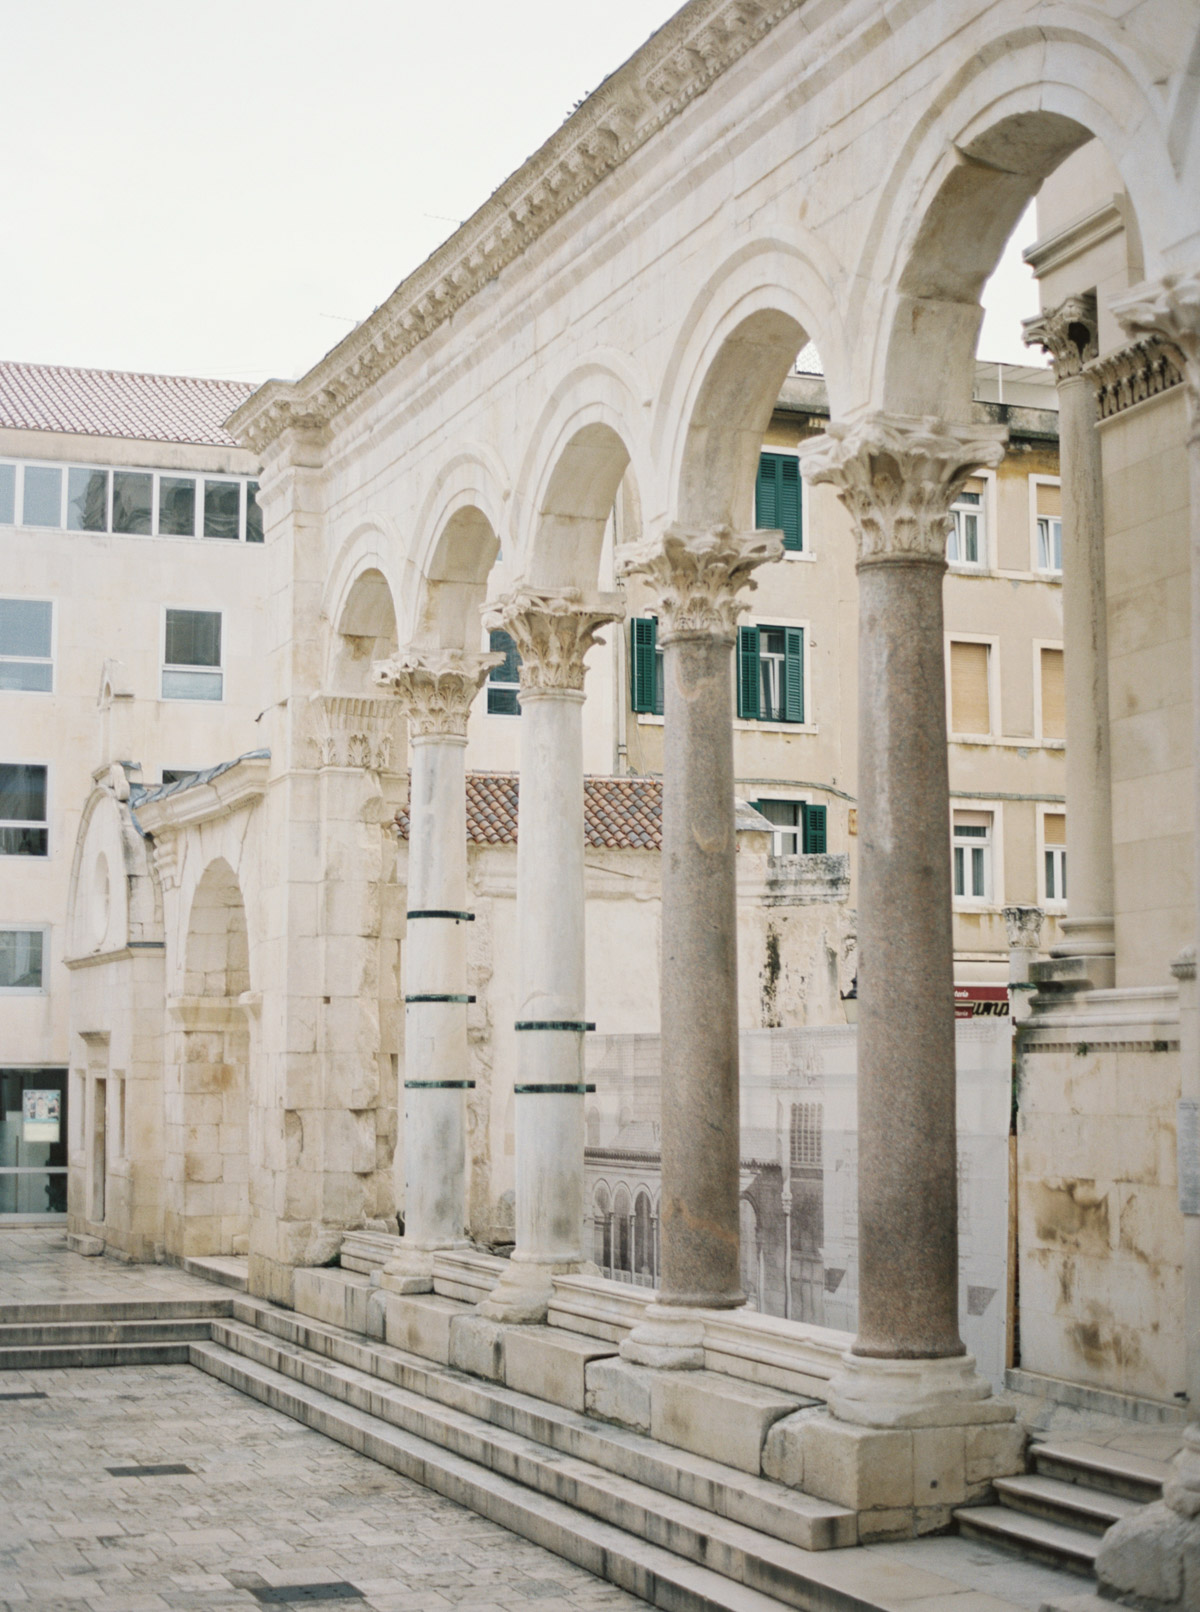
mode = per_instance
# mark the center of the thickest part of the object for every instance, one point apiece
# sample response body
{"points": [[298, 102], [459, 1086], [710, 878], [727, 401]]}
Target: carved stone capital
{"points": [[700, 577], [898, 477], [1024, 926], [1169, 309], [435, 687], [553, 629], [1069, 333]]}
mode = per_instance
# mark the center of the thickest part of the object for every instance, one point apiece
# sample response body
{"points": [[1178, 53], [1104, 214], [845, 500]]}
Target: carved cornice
{"points": [[677, 64], [1169, 309], [898, 477], [1132, 374], [699, 577], [434, 687], [553, 629], [1069, 333]]}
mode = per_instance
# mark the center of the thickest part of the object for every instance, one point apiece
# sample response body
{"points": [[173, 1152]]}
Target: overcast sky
{"points": [[224, 188]]}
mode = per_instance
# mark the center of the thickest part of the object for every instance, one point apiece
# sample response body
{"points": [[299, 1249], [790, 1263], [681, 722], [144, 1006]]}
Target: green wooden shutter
{"points": [[766, 493], [815, 839], [793, 674], [643, 664], [748, 676], [789, 503]]}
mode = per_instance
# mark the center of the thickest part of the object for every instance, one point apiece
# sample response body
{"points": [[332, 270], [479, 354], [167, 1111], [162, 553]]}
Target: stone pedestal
{"points": [[553, 632], [436, 688], [1068, 334], [698, 577]]}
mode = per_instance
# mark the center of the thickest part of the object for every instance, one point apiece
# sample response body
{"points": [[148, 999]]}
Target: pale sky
{"points": [[224, 188]]}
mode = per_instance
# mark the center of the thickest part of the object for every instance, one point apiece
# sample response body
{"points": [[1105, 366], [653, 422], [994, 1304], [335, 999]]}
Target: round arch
{"points": [[457, 540], [359, 610]]}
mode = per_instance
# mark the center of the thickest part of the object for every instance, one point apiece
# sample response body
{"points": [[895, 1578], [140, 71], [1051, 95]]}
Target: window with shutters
{"points": [[770, 674], [972, 851], [1053, 695], [1054, 861], [966, 544], [504, 681], [778, 499], [26, 645], [24, 825], [191, 667], [645, 666], [970, 689], [1046, 497], [799, 826]]}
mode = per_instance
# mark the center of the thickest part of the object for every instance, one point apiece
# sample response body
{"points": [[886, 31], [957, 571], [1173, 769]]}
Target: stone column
{"points": [[698, 577], [553, 631], [1068, 334], [435, 688]]}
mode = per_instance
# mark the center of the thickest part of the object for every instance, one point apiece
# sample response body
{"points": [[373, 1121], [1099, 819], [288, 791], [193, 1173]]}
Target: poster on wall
{"points": [[42, 1113]]}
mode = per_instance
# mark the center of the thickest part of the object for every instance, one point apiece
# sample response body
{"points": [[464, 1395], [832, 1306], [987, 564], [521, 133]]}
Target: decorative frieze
{"points": [[358, 732], [1169, 310], [1132, 374], [1069, 333], [435, 687], [898, 477], [700, 578], [553, 629]]}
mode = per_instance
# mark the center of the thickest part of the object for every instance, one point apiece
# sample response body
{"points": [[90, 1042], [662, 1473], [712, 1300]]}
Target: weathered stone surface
{"points": [[421, 1323], [477, 1346], [551, 1363], [716, 1416], [619, 1392]]}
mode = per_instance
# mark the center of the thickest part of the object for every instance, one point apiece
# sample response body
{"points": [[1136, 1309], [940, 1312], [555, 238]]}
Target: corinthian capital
{"points": [[553, 629], [700, 576], [435, 687], [1068, 333], [898, 477], [1169, 309]]}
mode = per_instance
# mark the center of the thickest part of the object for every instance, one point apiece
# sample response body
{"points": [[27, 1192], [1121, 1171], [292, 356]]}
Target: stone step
{"points": [[57, 1357], [1072, 1504], [784, 1514], [130, 1310], [54, 1333], [227, 1270], [1095, 1466], [1033, 1537]]}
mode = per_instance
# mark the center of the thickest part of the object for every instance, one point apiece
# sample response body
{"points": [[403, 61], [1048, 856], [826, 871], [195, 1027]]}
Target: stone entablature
{"points": [[1132, 374]]}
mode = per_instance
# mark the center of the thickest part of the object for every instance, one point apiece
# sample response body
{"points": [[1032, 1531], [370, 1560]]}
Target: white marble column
{"points": [[1068, 334], [436, 688], [553, 631], [699, 578], [898, 478]]}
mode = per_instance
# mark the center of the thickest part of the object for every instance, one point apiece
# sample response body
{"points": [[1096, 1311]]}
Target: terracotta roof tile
{"points": [[619, 814], [114, 403]]}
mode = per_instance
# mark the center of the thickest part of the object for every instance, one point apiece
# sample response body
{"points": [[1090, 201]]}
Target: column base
{"points": [[1094, 941], [524, 1292], [668, 1338], [410, 1269], [1154, 1556], [887, 1392]]}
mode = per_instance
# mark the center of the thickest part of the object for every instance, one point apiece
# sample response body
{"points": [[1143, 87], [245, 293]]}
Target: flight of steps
{"points": [[1058, 1513], [149, 1332]]}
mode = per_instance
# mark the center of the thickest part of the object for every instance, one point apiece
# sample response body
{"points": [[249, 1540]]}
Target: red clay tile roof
{"points": [[113, 403], [620, 814]]}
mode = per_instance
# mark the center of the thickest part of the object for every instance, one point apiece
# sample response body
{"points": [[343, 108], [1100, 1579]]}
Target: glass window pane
{"points": [[25, 627], [87, 500], [22, 793], [191, 686], [977, 870], [959, 888], [27, 677], [43, 496], [177, 506], [254, 516], [20, 959], [1049, 875], [8, 494], [221, 508], [132, 492], [193, 638]]}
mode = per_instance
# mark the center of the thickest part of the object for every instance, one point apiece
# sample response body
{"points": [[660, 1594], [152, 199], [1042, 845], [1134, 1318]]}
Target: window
{"points": [[221, 504], [21, 960], [8, 494], [504, 680], [970, 697], [133, 501], [116, 499], [42, 503], [254, 518], [645, 666], [771, 673], [25, 645], [192, 656], [973, 856], [966, 544], [23, 826], [777, 498], [177, 506], [1054, 698], [800, 827], [87, 500], [1049, 529], [1054, 854]]}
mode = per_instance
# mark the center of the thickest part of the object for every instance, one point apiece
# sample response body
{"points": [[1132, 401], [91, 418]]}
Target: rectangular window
{"points": [[1054, 851], [133, 500], [192, 656], [770, 673], [777, 498], [26, 632], [254, 516], [645, 666], [966, 544], [972, 856], [970, 699], [87, 500], [24, 830], [221, 503], [42, 503], [504, 680], [177, 506], [1054, 697], [800, 826], [21, 959], [8, 494], [1049, 543]]}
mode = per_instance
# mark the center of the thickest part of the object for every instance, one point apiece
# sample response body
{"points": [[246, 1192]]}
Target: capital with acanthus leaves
{"points": [[699, 576], [553, 629], [435, 687], [1169, 309], [1069, 333]]}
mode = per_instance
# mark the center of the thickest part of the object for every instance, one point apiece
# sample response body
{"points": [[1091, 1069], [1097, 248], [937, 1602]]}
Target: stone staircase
{"points": [[147, 1332], [1057, 1513]]}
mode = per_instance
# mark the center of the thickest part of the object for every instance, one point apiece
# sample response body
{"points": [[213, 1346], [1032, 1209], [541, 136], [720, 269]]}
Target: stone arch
{"points": [[622, 1237], [749, 1243], [602, 1226], [360, 608], [644, 1260], [458, 538]]}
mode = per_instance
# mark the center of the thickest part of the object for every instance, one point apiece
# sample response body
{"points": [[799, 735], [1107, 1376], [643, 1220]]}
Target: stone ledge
{"points": [[551, 1364], [420, 1323]]}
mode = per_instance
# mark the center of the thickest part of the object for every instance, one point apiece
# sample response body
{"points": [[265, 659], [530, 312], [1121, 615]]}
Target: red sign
{"points": [[981, 1001]]}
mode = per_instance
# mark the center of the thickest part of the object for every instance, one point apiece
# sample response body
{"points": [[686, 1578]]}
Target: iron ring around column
{"points": [[542, 1090], [438, 912], [439, 1085], [552, 1024], [429, 997]]}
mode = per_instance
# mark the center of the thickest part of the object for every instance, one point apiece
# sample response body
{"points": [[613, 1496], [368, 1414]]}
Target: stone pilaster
{"points": [[553, 630], [1068, 334], [700, 579], [435, 689]]}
